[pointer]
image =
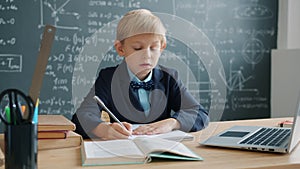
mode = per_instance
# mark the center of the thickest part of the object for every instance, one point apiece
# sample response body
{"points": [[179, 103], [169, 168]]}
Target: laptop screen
{"points": [[296, 127]]}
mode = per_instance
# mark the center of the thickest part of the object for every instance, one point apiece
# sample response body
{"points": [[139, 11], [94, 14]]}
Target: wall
{"points": [[289, 24], [285, 61], [285, 82]]}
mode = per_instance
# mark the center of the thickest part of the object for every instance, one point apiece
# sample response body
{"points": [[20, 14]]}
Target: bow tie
{"points": [[145, 85]]}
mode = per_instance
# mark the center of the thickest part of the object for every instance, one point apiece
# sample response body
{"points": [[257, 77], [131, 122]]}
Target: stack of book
{"points": [[56, 131]]}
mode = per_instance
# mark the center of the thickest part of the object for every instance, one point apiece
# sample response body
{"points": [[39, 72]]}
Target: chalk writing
{"points": [[239, 33]]}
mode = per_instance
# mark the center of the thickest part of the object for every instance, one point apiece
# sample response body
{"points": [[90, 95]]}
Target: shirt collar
{"points": [[134, 78]]}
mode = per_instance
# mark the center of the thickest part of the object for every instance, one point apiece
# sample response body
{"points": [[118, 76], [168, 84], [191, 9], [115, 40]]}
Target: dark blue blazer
{"points": [[168, 99]]}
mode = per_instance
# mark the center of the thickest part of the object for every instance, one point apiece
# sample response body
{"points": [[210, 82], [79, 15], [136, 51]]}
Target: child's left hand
{"points": [[159, 127]]}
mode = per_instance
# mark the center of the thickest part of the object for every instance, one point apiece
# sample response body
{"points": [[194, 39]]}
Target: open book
{"points": [[175, 135], [136, 151]]}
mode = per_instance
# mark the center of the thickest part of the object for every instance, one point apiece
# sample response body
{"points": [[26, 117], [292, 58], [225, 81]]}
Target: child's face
{"points": [[141, 53]]}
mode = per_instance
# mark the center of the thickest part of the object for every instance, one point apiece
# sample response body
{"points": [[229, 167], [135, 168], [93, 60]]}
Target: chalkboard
{"points": [[221, 48]]}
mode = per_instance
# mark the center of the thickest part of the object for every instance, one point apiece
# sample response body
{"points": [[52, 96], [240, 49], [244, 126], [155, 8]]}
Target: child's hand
{"points": [[112, 131], [159, 127]]}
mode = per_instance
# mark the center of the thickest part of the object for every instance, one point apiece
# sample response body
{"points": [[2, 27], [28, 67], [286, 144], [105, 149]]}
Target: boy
{"points": [[138, 91]]}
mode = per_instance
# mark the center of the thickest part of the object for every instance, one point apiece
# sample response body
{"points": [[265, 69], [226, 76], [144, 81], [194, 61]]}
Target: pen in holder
{"points": [[21, 146], [20, 131]]}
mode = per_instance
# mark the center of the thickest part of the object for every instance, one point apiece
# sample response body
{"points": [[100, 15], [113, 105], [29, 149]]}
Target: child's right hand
{"points": [[112, 131]]}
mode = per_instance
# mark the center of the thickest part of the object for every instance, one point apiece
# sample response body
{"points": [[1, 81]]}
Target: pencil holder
{"points": [[21, 146]]}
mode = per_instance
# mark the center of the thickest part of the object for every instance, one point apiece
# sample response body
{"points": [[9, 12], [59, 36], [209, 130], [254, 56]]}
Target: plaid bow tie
{"points": [[145, 85]]}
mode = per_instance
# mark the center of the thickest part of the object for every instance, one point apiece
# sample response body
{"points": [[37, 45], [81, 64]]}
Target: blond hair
{"points": [[139, 21]]}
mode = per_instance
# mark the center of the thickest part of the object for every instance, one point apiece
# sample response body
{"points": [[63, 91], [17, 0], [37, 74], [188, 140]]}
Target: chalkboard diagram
{"points": [[10, 63], [253, 51], [236, 79], [253, 11], [220, 48], [59, 15], [10, 41], [253, 48]]}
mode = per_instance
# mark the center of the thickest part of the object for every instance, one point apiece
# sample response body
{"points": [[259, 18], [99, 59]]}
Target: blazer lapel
{"points": [[133, 109], [158, 99]]}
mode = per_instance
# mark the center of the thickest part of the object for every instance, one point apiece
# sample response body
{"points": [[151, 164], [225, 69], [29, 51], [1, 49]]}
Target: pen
{"points": [[99, 101], [23, 109], [36, 111], [7, 113]]}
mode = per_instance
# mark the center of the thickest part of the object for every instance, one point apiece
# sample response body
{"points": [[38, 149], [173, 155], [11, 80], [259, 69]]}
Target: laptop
{"points": [[258, 138]]}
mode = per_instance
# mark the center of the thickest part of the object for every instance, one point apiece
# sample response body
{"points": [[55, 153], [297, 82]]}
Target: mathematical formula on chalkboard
{"points": [[220, 48]]}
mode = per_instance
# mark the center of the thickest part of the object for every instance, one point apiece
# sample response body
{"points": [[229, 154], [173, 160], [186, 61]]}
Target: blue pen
{"points": [[36, 112]]}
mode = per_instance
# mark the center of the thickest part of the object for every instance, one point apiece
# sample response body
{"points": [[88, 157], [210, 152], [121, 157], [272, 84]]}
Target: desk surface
{"points": [[213, 157]]}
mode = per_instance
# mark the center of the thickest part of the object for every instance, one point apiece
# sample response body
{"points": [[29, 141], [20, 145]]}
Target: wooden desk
{"points": [[213, 157]]}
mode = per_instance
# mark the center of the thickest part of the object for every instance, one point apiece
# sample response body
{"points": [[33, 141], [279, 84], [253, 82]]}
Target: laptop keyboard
{"points": [[268, 137]]}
